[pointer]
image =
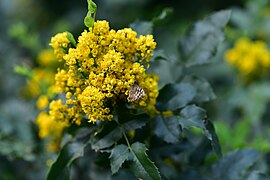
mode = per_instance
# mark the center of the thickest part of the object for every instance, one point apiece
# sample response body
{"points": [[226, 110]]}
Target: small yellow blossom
{"points": [[46, 58], [102, 68], [97, 74], [42, 102], [60, 45], [250, 58]]}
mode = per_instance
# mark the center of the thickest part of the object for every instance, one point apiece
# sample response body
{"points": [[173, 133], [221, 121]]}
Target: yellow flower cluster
{"points": [[250, 58], [48, 127], [60, 44], [100, 71], [42, 86], [42, 77]]}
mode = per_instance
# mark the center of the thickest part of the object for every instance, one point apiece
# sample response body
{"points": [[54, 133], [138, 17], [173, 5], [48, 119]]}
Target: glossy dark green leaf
{"points": [[174, 96], [123, 174], [238, 165], [112, 132], [203, 88], [135, 124], [70, 152], [107, 140], [119, 155], [167, 128], [141, 165], [194, 116], [201, 43], [210, 133], [142, 27]]}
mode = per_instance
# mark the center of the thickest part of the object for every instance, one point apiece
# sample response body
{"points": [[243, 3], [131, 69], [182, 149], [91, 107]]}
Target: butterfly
{"points": [[135, 92]]}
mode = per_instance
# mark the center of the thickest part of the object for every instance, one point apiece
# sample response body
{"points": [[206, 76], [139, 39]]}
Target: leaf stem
{"points": [[124, 134]]}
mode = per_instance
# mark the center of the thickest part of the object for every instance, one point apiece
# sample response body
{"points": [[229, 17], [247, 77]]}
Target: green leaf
{"points": [[174, 96], [240, 165], [212, 136], [119, 155], [167, 129], [159, 55], [71, 39], [89, 21], [203, 88], [107, 140], [91, 6], [23, 70], [135, 124], [201, 43], [112, 132], [193, 116], [142, 27], [70, 152], [142, 166], [166, 12], [123, 174]]}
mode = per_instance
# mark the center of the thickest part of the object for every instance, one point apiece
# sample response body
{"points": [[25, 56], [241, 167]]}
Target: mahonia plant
{"points": [[110, 105]]}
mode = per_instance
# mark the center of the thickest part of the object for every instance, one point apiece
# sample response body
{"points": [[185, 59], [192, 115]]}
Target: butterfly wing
{"points": [[135, 92]]}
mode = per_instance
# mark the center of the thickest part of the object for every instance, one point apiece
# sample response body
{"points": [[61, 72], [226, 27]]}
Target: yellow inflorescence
{"points": [[43, 75], [250, 58], [97, 74], [60, 44]]}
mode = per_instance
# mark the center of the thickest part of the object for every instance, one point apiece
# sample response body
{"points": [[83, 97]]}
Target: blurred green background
{"points": [[240, 112]]}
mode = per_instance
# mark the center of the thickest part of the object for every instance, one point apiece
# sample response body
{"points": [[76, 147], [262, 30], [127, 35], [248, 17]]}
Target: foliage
{"points": [[133, 103], [176, 109]]}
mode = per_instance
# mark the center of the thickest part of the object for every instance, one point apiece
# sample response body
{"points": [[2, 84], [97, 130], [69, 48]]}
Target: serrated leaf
{"points": [[203, 88], [107, 140], [70, 152], [210, 133], [112, 132], [134, 124], [123, 174], [201, 43], [194, 116], [142, 27], [71, 39], [174, 96], [141, 165], [239, 163], [167, 128], [119, 155]]}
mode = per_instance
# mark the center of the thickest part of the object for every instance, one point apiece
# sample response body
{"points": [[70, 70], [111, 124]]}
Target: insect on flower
{"points": [[135, 92]]}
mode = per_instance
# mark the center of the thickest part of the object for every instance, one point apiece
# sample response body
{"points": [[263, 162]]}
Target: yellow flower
{"points": [[60, 45], [42, 102], [250, 58], [46, 58], [100, 71], [48, 126]]}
